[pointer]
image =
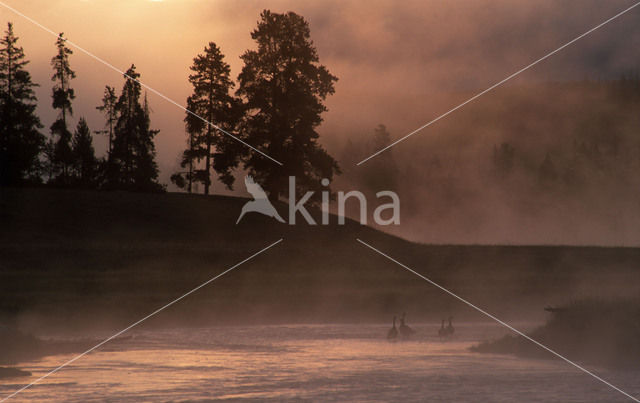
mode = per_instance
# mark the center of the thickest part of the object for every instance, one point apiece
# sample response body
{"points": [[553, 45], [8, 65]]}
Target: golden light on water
{"points": [[316, 362]]}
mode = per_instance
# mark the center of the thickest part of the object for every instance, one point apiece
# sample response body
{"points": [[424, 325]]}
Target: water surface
{"points": [[312, 363]]}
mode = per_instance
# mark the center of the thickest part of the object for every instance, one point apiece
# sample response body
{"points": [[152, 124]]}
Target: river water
{"points": [[312, 363]]}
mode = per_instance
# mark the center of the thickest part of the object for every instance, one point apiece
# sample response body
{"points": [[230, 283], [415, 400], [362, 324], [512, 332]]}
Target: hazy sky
{"points": [[398, 63]]}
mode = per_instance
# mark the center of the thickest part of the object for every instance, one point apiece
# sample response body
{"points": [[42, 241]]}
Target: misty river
{"points": [[313, 363]]}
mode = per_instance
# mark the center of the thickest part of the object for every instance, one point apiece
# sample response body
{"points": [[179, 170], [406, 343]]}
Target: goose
{"points": [[405, 331], [450, 328], [393, 332], [442, 332]]}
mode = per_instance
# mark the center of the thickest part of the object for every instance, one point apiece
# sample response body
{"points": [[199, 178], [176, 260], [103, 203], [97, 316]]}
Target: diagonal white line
{"points": [[140, 321], [499, 83], [499, 321], [158, 93]]}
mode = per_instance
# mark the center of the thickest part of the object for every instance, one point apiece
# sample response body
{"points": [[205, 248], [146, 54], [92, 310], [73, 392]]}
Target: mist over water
{"points": [[542, 164], [552, 158], [314, 363]]}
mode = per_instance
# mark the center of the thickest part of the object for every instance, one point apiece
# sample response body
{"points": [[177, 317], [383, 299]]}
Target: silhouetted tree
{"points": [[184, 179], [49, 162], [284, 87], [211, 101], [62, 96], [20, 140], [179, 180], [108, 108], [133, 155], [381, 172], [84, 158]]}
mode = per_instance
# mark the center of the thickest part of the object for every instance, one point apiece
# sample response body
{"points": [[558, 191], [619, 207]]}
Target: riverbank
{"points": [[73, 261], [594, 331]]}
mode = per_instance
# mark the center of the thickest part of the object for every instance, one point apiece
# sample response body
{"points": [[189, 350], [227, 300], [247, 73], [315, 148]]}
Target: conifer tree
{"points": [[133, 155], [184, 179], [49, 163], [62, 95], [284, 87], [20, 140], [84, 157], [108, 108], [212, 102]]}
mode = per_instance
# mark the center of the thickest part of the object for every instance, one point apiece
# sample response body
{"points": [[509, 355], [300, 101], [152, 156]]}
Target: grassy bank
{"points": [[75, 259]]}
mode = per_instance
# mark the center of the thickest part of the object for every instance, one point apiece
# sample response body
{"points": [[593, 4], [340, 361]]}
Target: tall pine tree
{"points": [[185, 179], [108, 108], [62, 95], [20, 140], [49, 160], [133, 155], [284, 87], [84, 158], [211, 101]]}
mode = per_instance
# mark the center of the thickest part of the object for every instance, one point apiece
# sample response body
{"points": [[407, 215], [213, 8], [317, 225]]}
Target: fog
{"points": [[401, 67], [561, 166]]}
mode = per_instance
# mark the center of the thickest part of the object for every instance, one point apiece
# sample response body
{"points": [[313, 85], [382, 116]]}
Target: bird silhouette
{"points": [[393, 332], [442, 332], [450, 328], [446, 331], [405, 331], [260, 203]]}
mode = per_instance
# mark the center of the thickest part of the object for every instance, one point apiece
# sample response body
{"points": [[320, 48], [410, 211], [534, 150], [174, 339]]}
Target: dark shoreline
{"points": [[78, 260], [594, 331]]}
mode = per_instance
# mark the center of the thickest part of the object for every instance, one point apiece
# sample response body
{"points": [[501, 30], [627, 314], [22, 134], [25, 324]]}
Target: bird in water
{"points": [[393, 332], [446, 331], [405, 331], [450, 328], [442, 332]]}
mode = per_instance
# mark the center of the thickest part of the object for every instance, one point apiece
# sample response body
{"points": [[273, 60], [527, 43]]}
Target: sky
{"points": [[401, 64]]}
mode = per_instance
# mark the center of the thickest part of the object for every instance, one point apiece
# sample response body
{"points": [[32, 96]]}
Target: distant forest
{"points": [[551, 135], [526, 155], [276, 108]]}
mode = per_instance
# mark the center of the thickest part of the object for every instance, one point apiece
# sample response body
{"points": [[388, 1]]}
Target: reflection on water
{"points": [[315, 363]]}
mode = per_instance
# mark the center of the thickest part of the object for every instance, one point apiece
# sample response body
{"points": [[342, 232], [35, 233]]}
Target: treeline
{"points": [[67, 158], [276, 109], [586, 139], [593, 146]]}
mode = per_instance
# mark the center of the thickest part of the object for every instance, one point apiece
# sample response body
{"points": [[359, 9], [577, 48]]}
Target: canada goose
{"points": [[393, 332], [405, 331], [450, 328], [442, 332]]}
